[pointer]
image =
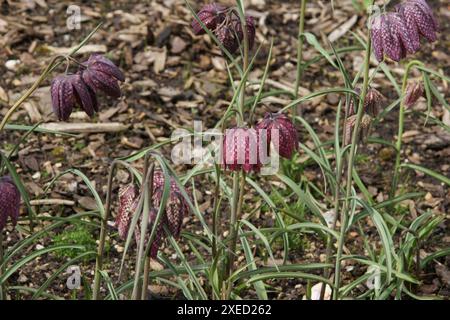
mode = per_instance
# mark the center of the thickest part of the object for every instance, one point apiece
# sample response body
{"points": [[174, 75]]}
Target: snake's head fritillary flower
{"points": [[251, 30], [365, 126], [287, 133], [68, 91], [419, 20], [128, 196], [211, 15], [159, 236], [9, 201], [240, 149], [391, 37], [227, 37], [372, 103], [176, 209], [101, 74], [414, 91]]}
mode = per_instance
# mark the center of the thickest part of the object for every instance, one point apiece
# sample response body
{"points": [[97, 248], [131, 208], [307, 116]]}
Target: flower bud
{"points": [[414, 91]]}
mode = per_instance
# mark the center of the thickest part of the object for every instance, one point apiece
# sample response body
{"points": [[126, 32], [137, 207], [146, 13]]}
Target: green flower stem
{"points": [[351, 160], [301, 28], [401, 120], [238, 185]]}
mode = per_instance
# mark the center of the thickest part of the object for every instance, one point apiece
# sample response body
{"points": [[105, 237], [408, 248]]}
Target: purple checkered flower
{"points": [[68, 91], [414, 91], [241, 150], [287, 133], [211, 15], [391, 37], [9, 201], [100, 74], [419, 20]]}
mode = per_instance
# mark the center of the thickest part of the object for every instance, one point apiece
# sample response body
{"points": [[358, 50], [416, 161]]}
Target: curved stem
{"points": [[301, 28], [351, 160], [103, 231], [401, 119]]}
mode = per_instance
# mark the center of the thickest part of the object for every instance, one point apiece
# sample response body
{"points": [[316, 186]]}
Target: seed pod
{"points": [[9, 201], [128, 200], [211, 15], [100, 74], [287, 133], [414, 91], [240, 150]]}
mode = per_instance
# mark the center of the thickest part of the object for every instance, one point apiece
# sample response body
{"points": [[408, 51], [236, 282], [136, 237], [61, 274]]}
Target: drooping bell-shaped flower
{"points": [[390, 37], [211, 15], [419, 20], [372, 103], [159, 236], [9, 201], [68, 91], [414, 91], [287, 133], [240, 149], [349, 127], [251, 30], [128, 199], [101, 74], [227, 37]]}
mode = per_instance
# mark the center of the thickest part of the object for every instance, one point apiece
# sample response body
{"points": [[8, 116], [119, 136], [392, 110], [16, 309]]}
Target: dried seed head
{"points": [[101, 74], [287, 133], [419, 20], [240, 150], [128, 199], [211, 15], [9, 201], [414, 91]]}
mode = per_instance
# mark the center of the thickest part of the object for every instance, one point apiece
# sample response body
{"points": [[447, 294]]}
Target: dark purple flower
{"points": [[419, 20], [67, 91], [101, 74], [251, 30], [414, 91], [390, 37], [9, 201], [159, 236], [211, 15], [128, 199], [287, 133], [240, 149], [227, 37]]}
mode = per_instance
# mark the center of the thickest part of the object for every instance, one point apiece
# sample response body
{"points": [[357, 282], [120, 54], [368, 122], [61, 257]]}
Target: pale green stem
{"points": [[351, 160], [301, 28], [401, 120]]}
